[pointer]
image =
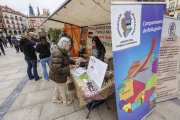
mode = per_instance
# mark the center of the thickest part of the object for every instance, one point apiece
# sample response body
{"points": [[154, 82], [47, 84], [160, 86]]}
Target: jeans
{"points": [[43, 63], [17, 48], [32, 64], [2, 48]]}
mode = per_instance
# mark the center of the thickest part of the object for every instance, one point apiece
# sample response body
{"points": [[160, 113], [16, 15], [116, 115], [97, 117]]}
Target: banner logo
{"points": [[172, 29], [126, 24]]}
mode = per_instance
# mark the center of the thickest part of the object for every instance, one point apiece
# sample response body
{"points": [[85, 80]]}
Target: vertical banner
{"points": [[136, 33], [168, 64]]}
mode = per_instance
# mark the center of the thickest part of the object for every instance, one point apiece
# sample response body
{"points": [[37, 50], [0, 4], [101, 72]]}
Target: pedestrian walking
{"points": [[43, 48], [4, 40], [16, 43], [8, 37], [1, 46]]}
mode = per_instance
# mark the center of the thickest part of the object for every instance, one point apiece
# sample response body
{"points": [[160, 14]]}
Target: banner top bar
{"points": [[135, 3]]}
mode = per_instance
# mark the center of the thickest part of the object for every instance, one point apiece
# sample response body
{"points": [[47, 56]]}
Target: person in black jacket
{"points": [[1, 46], [43, 48], [15, 41], [98, 49], [30, 57], [8, 37]]}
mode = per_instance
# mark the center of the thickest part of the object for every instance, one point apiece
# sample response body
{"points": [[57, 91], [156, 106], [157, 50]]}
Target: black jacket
{"points": [[1, 40], [28, 49], [44, 50]]}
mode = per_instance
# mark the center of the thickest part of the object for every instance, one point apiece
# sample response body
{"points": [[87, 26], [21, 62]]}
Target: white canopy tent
{"points": [[80, 13], [52, 24]]}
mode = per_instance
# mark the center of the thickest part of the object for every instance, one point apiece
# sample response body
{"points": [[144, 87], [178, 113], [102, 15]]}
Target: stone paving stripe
{"points": [[10, 99], [177, 101]]}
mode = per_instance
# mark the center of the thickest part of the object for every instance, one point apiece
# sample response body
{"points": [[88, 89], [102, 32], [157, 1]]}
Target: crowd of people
{"points": [[56, 56], [12, 40]]}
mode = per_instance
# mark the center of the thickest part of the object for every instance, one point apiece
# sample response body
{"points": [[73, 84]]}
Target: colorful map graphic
{"points": [[139, 85]]}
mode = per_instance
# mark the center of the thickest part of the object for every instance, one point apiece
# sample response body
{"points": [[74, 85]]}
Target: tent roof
{"points": [[52, 24], [80, 13]]}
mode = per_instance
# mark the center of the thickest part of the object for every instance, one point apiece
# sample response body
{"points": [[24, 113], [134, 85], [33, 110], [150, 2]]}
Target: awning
{"points": [[52, 24], [80, 13]]}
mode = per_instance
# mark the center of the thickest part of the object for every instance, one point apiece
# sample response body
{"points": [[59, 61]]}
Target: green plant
{"points": [[54, 34]]}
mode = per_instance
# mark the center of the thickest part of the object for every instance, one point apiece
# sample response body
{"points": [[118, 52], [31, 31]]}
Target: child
{"points": [[53, 46]]}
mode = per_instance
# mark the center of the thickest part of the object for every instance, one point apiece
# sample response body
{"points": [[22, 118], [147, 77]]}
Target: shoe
{"points": [[69, 102], [31, 78], [4, 53], [57, 101], [39, 78], [46, 80]]}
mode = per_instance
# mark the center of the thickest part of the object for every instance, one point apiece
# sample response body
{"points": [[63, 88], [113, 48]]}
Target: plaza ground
{"points": [[34, 101]]}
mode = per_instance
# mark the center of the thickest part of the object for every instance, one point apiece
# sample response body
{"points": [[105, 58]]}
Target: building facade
{"points": [[12, 22], [36, 20], [2, 24], [173, 8]]}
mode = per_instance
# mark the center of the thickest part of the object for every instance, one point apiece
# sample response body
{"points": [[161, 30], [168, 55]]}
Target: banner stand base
{"points": [[144, 118]]}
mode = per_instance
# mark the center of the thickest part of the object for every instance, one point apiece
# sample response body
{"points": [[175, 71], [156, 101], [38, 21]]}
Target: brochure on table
{"points": [[96, 70], [78, 71]]}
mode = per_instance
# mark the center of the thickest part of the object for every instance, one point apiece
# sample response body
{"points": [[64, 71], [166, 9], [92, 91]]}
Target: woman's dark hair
{"points": [[98, 43], [43, 40]]}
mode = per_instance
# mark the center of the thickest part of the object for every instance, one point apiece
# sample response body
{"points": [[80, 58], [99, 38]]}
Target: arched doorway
{"points": [[19, 32], [10, 31], [15, 32]]}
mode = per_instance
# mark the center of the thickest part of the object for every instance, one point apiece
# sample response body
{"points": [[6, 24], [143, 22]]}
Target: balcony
{"points": [[6, 17], [178, 7], [12, 18]]}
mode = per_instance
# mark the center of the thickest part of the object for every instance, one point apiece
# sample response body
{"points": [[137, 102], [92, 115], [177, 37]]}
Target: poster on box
{"points": [[168, 64], [136, 34], [96, 70]]}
